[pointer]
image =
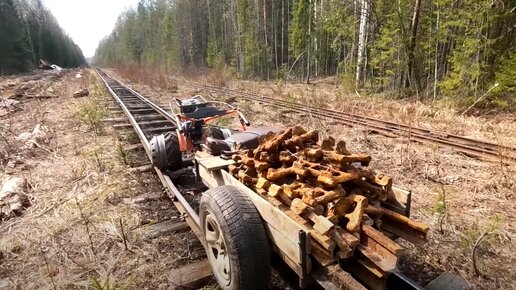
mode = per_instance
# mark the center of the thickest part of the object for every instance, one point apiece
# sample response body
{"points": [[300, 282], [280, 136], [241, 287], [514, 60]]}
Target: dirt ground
{"points": [[468, 203], [85, 203], [91, 222]]}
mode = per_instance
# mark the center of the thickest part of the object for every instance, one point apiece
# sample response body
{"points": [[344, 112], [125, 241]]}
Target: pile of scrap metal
{"points": [[322, 185], [45, 64]]}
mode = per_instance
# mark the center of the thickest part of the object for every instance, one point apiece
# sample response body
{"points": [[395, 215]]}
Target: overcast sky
{"points": [[88, 21]]}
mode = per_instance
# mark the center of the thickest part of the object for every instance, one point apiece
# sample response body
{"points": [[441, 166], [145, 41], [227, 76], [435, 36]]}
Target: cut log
{"points": [[192, 276]]}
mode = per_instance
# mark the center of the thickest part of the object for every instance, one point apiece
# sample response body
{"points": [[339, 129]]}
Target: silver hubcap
{"points": [[217, 251]]}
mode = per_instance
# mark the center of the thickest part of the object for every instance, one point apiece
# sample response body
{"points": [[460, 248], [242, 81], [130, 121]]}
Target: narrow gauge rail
{"points": [[149, 120], [468, 146]]}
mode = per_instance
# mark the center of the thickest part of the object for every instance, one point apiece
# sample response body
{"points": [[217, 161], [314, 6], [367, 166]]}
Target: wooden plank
{"points": [[333, 277], [192, 276], [143, 168], [122, 126], [210, 178], [273, 217], [296, 267], [213, 162], [132, 147], [156, 230], [367, 273], [288, 248]]}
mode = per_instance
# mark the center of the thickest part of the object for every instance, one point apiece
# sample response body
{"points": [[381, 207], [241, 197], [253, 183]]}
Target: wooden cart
{"points": [[289, 238]]}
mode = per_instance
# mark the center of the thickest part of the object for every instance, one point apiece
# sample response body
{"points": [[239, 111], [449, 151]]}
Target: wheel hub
{"points": [[217, 251], [158, 149]]}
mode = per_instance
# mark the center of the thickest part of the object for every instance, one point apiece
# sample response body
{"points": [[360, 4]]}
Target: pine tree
{"points": [[14, 52]]}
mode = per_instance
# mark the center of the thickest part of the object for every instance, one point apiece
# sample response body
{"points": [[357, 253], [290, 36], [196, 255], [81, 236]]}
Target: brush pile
{"points": [[333, 193]]}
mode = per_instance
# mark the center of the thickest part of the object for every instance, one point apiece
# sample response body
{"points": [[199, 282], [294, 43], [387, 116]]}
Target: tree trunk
{"points": [[238, 38], [266, 59], [412, 69], [436, 59], [282, 30], [309, 42], [362, 39]]}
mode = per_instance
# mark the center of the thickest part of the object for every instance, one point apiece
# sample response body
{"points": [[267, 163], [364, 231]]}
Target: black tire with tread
{"points": [[244, 233], [174, 156]]}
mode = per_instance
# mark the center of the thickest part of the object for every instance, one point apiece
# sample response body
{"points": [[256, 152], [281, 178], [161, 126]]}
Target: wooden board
{"points": [[283, 244], [212, 162], [165, 227], [283, 230], [210, 178], [192, 276]]}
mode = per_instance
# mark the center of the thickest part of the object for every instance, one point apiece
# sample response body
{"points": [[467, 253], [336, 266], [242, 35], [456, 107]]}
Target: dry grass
{"points": [[71, 237], [154, 77], [438, 117], [476, 191]]}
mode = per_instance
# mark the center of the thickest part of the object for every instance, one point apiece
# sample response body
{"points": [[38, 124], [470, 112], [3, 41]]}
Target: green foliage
{"points": [[14, 53], [29, 32], [102, 284], [441, 208], [91, 113], [489, 230], [123, 156], [461, 46]]}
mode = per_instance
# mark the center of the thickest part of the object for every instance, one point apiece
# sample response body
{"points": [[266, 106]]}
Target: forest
{"points": [[29, 32], [427, 49]]}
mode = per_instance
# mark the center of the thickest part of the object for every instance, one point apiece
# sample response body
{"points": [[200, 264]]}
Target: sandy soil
{"points": [[478, 195]]}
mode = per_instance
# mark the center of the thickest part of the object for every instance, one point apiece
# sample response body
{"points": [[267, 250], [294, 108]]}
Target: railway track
{"points": [[148, 120], [467, 146]]}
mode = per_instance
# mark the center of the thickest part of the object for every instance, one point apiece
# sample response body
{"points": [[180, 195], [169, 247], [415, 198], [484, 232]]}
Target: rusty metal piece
{"points": [[328, 144], [246, 179], [306, 179], [333, 178], [352, 207], [342, 159], [269, 157], [233, 169], [280, 173], [298, 141], [263, 183], [298, 130], [291, 189], [383, 240], [273, 144], [340, 148], [313, 154], [287, 158], [376, 191]]}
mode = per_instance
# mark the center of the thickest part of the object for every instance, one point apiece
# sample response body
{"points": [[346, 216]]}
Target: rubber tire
{"points": [[245, 236], [173, 153]]}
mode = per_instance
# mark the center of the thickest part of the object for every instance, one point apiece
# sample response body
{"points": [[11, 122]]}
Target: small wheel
{"points": [[236, 241], [165, 151]]}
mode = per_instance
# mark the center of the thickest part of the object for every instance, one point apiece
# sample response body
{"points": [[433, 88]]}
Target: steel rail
{"points": [[462, 144], [190, 215]]}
